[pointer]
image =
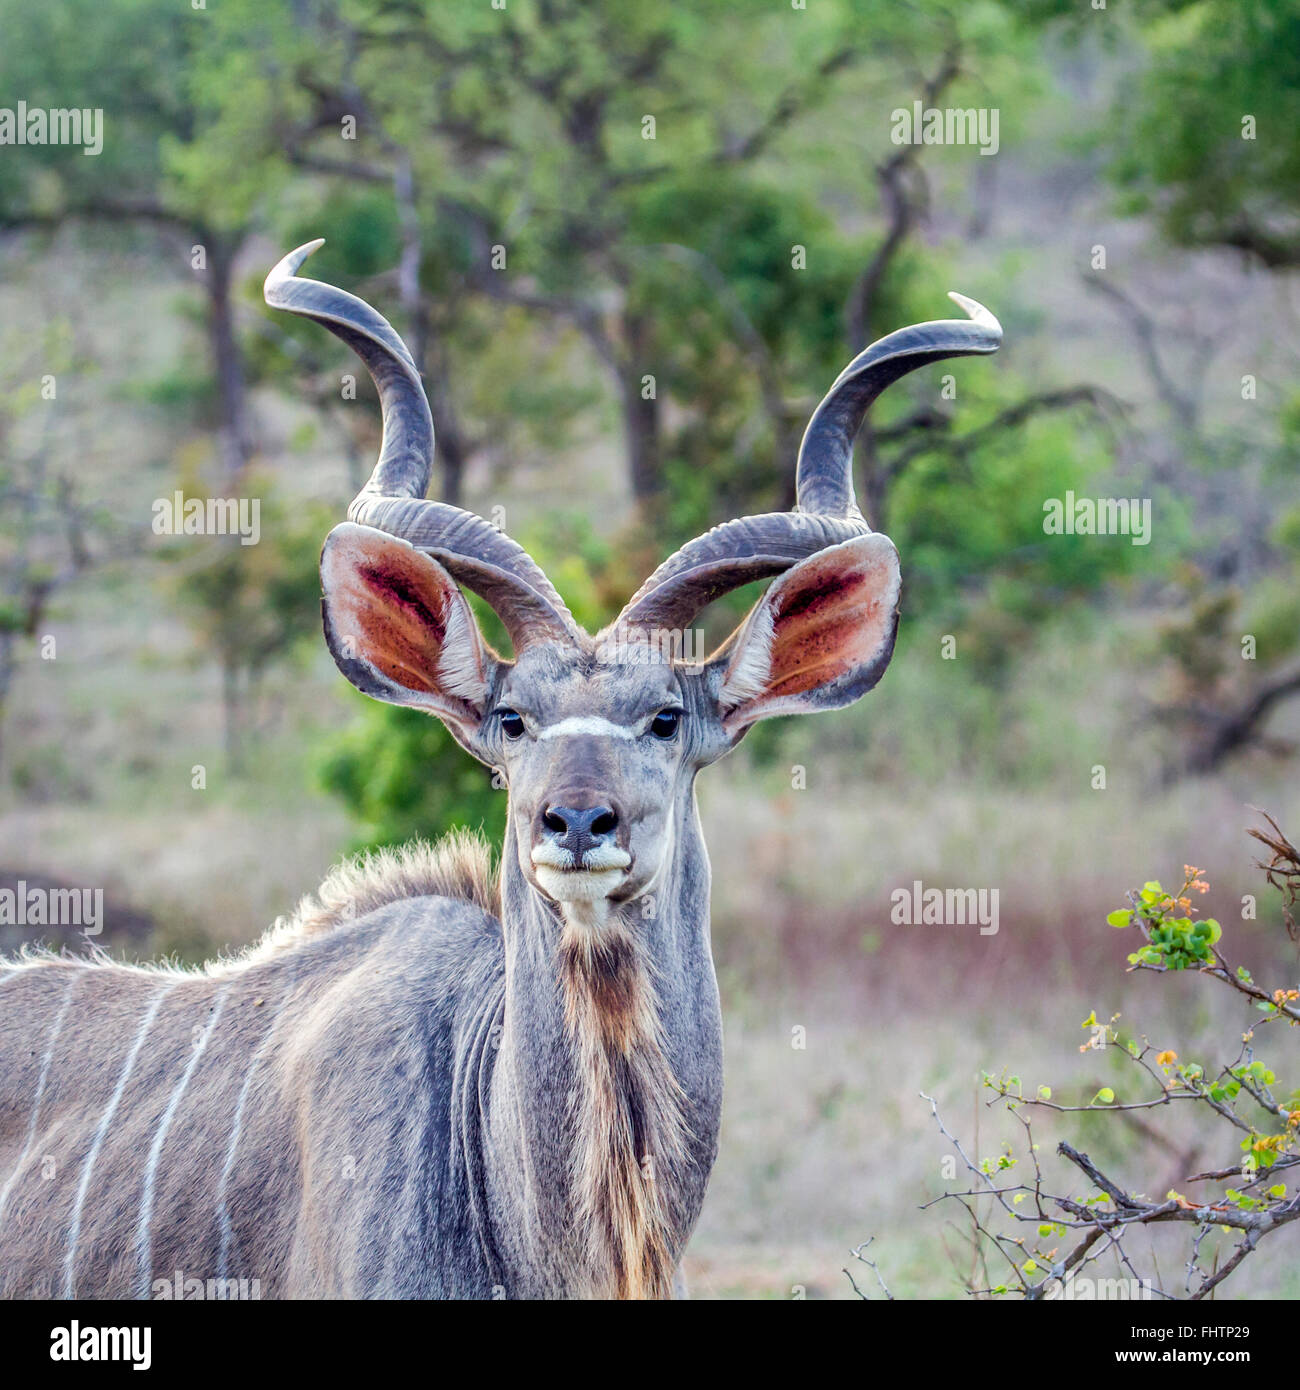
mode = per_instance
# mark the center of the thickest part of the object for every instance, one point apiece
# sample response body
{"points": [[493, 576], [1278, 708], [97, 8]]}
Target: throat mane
{"points": [[628, 1124]]}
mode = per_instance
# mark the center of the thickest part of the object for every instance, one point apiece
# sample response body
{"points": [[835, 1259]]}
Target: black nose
{"points": [[579, 828]]}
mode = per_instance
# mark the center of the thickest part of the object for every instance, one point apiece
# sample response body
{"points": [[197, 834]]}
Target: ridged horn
{"points": [[475, 553], [757, 547]]}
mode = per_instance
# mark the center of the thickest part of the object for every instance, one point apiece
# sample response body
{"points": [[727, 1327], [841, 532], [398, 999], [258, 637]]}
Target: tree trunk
{"points": [[451, 448], [230, 706], [640, 415], [233, 430], [8, 665]]}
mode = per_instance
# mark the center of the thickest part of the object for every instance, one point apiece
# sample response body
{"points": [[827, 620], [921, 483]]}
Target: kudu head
{"points": [[597, 736]]}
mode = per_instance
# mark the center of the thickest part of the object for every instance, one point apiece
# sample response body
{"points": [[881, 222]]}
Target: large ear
{"points": [[399, 628], [819, 638]]}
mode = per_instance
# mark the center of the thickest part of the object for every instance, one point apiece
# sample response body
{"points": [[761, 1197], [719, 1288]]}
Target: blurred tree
{"points": [[249, 605], [1199, 138], [58, 56], [1202, 131], [1229, 662], [50, 533], [651, 180]]}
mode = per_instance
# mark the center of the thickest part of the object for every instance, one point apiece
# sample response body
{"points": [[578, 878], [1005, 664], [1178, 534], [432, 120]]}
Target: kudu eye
{"points": [[512, 724], [664, 724]]}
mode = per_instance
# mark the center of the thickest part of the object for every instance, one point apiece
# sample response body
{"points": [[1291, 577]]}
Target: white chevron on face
{"points": [[586, 724]]}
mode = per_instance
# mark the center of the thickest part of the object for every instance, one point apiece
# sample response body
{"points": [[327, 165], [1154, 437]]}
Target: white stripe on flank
{"points": [[223, 1211], [87, 1167], [586, 724], [40, 1092], [143, 1243]]}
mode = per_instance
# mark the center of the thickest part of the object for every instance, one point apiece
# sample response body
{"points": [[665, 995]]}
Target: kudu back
{"points": [[437, 1078]]}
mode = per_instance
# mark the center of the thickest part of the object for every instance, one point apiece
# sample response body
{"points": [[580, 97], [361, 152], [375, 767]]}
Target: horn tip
{"points": [[978, 314], [287, 266]]}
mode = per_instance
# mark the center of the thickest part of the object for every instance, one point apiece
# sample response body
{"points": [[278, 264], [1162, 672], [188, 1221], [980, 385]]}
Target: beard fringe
{"points": [[628, 1121]]}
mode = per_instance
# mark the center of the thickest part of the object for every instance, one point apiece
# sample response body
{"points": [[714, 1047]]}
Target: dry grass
{"points": [[824, 1147], [804, 878], [215, 877]]}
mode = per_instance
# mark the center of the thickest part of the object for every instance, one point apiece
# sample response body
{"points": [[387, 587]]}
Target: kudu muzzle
{"points": [[579, 831]]}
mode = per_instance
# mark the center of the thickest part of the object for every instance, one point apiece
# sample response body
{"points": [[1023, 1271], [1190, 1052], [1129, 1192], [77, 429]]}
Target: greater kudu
{"points": [[434, 1080]]}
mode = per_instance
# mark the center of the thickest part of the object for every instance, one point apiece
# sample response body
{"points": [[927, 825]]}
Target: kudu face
{"points": [[594, 752], [598, 738]]}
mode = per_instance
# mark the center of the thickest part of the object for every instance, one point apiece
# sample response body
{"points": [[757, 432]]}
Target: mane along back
{"points": [[457, 866]]}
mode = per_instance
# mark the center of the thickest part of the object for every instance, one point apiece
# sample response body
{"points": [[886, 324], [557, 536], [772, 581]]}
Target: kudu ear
{"points": [[819, 638], [399, 628]]}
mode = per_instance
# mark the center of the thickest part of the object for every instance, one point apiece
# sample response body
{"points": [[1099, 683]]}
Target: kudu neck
{"points": [[609, 1072]]}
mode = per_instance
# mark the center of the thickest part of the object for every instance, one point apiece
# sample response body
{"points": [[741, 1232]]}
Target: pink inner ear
{"points": [[833, 619], [394, 606], [405, 624]]}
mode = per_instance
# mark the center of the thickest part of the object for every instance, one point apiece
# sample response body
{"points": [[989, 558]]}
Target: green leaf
{"points": [[1105, 1096], [1121, 918]]}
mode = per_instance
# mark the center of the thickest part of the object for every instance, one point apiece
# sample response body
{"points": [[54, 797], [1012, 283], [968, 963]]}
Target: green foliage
{"points": [[249, 606], [1200, 130], [1173, 942], [401, 775], [745, 230], [360, 228], [1242, 1093], [1187, 151], [130, 59], [250, 603]]}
